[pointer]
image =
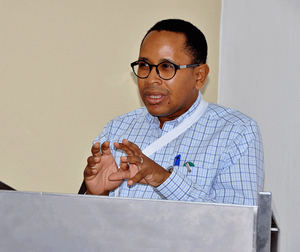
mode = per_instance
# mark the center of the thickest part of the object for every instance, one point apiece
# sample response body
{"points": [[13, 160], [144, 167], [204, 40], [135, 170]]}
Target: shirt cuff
{"points": [[179, 187]]}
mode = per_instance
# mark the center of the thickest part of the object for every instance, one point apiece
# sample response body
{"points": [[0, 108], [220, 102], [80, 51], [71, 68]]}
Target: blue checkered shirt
{"points": [[223, 148]]}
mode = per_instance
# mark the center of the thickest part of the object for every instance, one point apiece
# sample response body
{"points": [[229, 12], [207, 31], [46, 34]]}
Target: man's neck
{"points": [[163, 119]]}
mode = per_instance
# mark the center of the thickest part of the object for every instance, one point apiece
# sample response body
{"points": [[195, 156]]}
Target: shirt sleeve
{"points": [[238, 179]]}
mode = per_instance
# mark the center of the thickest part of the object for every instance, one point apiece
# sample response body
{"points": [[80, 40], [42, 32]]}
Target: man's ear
{"points": [[201, 73]]}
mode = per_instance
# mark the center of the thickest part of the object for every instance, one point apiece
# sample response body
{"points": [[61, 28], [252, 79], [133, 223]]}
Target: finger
{"points": [[134, 160], [135, 179], [125, 148], [88, 171], [105, 148], [92, 161], [132, 146], [119, 175], [124, 164], [96, 149]]}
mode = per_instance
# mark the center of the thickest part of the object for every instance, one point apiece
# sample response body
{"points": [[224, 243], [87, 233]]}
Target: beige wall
{"points": [[64, 72]]}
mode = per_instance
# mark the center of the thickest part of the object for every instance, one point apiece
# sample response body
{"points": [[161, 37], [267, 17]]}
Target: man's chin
{"points": [[157, 113], [159, 110]]}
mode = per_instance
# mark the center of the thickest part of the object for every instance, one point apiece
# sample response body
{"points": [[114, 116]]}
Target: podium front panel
{"points": [[59, 222]]}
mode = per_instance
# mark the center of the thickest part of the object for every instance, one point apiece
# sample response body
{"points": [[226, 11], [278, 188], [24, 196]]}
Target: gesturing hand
{"points": [[99, 167], [141, 169]]}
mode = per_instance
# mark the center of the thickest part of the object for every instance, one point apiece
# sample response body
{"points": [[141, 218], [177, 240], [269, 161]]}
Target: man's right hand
{"points": [[99, 167]]}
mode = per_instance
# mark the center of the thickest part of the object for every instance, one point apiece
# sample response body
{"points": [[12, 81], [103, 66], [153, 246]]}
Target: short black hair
{"points": [[195, 39]]}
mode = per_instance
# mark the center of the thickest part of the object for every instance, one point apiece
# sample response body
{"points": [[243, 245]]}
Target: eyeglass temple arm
{"points": [[187, 66]]}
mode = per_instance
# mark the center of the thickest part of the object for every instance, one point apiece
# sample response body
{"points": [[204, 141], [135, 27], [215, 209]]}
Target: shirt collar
{"points": [[171, 124]]}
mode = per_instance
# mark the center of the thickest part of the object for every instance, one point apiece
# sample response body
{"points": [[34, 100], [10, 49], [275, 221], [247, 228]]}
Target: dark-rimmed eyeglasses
{"points": [[165, 70]]}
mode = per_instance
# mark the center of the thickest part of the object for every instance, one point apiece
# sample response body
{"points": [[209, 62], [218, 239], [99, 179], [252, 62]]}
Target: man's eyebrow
{"points": [[161, 60], [143, 58]]}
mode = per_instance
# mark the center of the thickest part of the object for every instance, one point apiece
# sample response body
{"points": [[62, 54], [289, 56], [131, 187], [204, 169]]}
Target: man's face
{"points": [[168, 99]]}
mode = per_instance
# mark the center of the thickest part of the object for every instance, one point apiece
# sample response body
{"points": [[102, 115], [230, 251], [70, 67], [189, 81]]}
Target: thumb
{"points": [[119, 175], [136, 178]]}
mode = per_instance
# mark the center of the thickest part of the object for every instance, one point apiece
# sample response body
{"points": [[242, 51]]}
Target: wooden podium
{"points": [[61, 222]]}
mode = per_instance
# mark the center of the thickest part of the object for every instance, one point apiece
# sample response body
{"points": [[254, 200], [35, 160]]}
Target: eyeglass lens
{"points": [[166, 70]]}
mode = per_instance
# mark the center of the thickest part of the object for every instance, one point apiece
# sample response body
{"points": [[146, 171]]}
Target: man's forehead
{"points": [[157, 40], [168, 44], [156, 35]]}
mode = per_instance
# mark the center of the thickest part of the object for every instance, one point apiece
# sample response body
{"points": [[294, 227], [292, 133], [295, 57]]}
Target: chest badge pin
{"points": [[188, 166]]}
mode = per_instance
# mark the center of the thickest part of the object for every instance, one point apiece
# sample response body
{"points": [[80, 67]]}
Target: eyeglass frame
{"points": [[176, 67]]}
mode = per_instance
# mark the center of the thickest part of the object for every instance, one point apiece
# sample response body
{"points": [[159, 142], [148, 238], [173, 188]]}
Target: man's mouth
{"points": [[153, 99]]}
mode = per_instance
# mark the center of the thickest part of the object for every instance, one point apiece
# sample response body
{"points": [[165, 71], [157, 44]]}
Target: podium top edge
{"points": [[265, 193], [121, 198]]}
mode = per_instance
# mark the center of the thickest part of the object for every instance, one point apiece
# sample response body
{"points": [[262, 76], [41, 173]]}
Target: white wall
{"points": [[64, 73], [260, 75]]}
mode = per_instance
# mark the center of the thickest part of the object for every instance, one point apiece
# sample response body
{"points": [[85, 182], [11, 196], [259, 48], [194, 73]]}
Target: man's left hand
{"points": [[138, 168]]}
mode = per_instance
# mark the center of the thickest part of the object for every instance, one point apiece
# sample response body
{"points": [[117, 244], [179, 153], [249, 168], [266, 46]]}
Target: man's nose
{"points": [[153, 75]]}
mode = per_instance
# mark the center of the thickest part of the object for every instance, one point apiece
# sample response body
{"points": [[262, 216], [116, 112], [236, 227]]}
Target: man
{"points": [[178, 147]]}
